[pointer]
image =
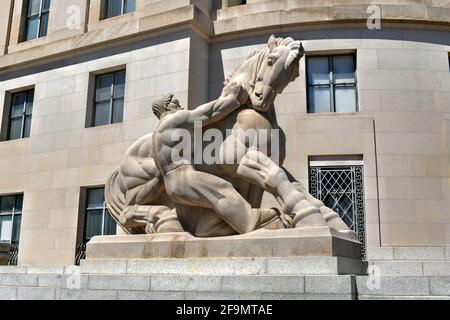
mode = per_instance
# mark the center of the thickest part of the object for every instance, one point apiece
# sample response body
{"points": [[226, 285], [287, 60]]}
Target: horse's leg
{"points": [[187, 186], [258, 168], [331, 217], [157, 219]]}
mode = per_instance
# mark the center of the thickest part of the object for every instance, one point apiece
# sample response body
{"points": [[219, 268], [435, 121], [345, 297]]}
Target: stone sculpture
{"points": [[160, 187]]}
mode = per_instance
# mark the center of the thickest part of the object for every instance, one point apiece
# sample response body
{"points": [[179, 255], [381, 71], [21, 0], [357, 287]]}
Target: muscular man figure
{"points": [[183, 183]]}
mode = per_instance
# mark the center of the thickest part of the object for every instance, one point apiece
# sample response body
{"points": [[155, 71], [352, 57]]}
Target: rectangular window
{"points": [[20, 115], [10, 221], [36, 19], [332, 83], [339, 184], [113, 8], [98, 221], [109, 98]]}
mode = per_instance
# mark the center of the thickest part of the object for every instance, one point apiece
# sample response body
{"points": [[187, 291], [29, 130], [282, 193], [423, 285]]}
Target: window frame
{"points": [[27, 18], [332, 85], [88, 209], [105, 7], [14, 213], [24, 115], [111, 98]]}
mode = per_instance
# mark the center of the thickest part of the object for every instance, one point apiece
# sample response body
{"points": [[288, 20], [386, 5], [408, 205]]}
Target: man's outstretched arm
{"points": [[218, 109]]}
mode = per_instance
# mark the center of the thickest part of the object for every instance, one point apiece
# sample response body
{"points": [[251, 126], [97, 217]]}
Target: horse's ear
{"points": [[272, 42]]}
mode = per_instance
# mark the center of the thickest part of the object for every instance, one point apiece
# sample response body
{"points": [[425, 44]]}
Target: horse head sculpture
{"points": [[267, 72]]}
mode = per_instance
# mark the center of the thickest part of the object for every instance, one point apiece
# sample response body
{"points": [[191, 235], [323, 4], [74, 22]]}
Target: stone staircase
{"points": [[406, 273], [400, 273]]}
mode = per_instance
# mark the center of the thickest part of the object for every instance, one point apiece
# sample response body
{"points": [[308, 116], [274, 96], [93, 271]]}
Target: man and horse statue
{"points": [[160, 188]]}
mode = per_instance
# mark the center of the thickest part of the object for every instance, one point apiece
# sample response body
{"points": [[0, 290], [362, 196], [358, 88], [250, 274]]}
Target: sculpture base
{"points": [[314, 241]]}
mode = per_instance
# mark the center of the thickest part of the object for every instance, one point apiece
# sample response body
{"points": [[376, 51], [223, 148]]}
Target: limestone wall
{"points": [[404, 100], [63, 155], [187, 47]]}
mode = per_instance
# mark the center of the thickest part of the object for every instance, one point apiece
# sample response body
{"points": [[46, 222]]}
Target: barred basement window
{"points": [[339, 185], [10, 221], [113, 8], [20, 115], [331, 83], [109, 98], [36, 16]]}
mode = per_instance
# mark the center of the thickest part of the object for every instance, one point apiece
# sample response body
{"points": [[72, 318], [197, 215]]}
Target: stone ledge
{"points": [[408, 253], [227, 266], [283, 13]]}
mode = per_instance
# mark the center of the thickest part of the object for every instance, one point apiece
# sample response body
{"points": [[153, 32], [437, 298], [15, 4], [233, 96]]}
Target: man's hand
{"points": [[239, 92]]}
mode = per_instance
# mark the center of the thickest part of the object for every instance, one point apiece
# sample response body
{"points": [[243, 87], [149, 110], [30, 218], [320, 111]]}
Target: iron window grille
{"points": [[113, 8], [332, 83], [109, 98], [36, 20], [341, 189], [10, 222], [21, 112]]}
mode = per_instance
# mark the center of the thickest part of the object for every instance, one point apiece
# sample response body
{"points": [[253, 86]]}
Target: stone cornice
{"points": [[161, 23], [268, 15], [279, 14]]}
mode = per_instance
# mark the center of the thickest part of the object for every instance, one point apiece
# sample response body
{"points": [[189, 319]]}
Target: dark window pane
{"points": [[318, 71], [15, 130], [16, 228], [104, 84], [117, 111], [29, 106], [93, 223], [344, 69], [18, 104], [32, 28], [27, 129], [110, 225], [6, 228], [130, 6], [19, 203], [33, 7], [114, 8], [7, 204], [319, 99], [95, 198], [119, 85], [44, 25], [102, 113], [345, 99], [46, 5]]}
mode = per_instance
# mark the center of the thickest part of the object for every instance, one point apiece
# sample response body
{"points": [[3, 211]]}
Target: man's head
{"points": [[164, 105]]}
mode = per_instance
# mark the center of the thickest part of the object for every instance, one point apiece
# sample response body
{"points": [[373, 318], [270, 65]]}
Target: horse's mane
{"points": [[297, 52]]}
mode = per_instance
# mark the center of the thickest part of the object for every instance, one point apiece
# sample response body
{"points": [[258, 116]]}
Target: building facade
{"points": [[367, 122]]}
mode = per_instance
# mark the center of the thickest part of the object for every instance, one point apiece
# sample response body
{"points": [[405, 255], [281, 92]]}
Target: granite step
{"points": [[304, 265], [410, 268], [408, 253]]}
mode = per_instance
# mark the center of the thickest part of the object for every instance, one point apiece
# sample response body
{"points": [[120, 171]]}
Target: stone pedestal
{"points": [[306, 251], [316, 241]]}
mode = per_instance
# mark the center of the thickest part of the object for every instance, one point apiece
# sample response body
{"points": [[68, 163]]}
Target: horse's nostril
{"points": [[258, 95]]}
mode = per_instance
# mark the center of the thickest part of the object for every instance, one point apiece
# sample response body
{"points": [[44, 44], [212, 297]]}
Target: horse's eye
{"points": [[270, 61]]}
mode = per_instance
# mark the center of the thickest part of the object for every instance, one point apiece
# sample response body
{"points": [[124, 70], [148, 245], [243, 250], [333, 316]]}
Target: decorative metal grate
{"points": [[13, 254], [80, 252], [341, 189]]}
